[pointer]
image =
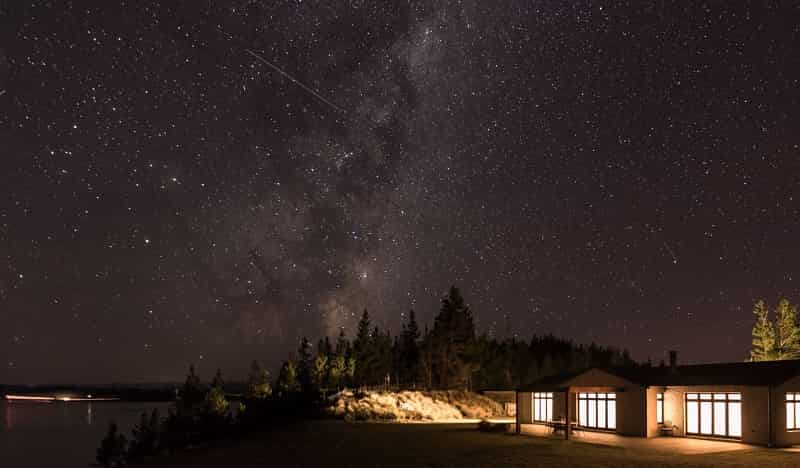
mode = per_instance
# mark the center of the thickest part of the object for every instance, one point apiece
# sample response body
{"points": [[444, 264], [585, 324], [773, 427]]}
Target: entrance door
{"points": [[714, 414]]}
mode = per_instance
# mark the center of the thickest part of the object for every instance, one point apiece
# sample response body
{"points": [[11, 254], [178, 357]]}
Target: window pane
{"points": [[789, 396], [735, 419], [659, 411], [601, 413], [705, 396], [612, 396], [719, 418], [549, 407], [583, 395], [719, 396], [691, 396], [659, 396], [790, 415], [612, 414], [796, 414], [582, 418], [705, 417], [591, 395], [592, 413], [734, 396], [692, 426]]}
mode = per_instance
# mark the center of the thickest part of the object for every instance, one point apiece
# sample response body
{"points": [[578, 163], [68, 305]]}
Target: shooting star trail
{"points": [[310, 90], [674, 258]]}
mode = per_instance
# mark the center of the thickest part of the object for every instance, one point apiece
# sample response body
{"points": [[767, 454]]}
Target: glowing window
{"points": [[692, 421], [543, 406], [717, 414], [597, 410], [720, 418], [660, 408], [734, 419], [582, 412], [793, 411]]}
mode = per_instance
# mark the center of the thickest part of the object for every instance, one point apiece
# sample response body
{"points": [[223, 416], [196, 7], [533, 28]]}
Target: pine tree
{"points": [[144, 442], [258, 386], [361, 343], [350, 370], [287, 379], [788, 334], [191, 394], [320, 371], [426, 359], [112, 448], [337, 371], [364, 352], [763, 334], [409, 350], [216, 403], [453, 339], [341, 343], [305, 366]]}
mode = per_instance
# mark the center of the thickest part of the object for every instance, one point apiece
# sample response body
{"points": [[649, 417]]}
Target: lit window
{"points": [[597, 410], [717, 414], [543, 406], [660, 408], [793, 411]]}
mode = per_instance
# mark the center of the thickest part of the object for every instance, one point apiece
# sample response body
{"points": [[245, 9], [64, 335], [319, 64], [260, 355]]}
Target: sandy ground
{"points": [[340, 444]]}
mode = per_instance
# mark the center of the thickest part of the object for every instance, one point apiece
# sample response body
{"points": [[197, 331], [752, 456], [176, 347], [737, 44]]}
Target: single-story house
{"points": [[750, 402]]}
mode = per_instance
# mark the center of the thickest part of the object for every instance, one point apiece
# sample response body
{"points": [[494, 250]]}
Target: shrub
{"points": [[112, 448]]}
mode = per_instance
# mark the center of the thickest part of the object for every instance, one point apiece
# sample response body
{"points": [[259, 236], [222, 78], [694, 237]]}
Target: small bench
{"points": [[666, 428]]}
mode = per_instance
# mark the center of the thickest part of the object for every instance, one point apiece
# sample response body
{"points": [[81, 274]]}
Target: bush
{"points": [[488, 426], [146, 434], [411, 406], [112, 448]]}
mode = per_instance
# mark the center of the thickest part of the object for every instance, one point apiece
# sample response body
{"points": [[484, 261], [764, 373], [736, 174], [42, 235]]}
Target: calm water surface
{"points": [[62, 435]]}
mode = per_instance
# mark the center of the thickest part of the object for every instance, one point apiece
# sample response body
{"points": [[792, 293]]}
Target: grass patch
{"points": [[339, 444]]}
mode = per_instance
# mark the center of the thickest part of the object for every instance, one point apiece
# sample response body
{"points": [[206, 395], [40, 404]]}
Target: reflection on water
{"points": [[59, 434]]}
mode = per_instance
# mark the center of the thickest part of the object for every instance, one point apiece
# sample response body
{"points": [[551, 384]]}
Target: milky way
{"points": [[619, 174]]}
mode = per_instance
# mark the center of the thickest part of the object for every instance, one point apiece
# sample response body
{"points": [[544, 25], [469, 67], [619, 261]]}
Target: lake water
{"points": [[62, 435]]}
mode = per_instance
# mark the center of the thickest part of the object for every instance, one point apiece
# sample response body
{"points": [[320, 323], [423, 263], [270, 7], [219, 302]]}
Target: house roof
{"points": [[552, 382], [733, 373]]}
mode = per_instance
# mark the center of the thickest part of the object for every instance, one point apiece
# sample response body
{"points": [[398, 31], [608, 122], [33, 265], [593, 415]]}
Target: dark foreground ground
{"points": [[333, 444]]}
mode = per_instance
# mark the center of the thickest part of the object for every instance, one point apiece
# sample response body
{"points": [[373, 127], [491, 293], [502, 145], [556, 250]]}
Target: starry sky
{"points": [[207, 181]]}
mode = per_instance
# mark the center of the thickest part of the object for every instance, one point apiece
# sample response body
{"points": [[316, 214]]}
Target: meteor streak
{"points": [[674, 258], [293, 80]]}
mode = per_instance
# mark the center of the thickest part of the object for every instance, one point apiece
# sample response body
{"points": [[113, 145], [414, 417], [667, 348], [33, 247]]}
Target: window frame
{"points": [[793, 399], [726, 400], [545, 399], [597, 398], [660, 408]]}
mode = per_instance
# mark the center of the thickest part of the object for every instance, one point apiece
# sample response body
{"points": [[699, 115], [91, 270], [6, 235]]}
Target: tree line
{"points": [[775, 339], [447, 355]]}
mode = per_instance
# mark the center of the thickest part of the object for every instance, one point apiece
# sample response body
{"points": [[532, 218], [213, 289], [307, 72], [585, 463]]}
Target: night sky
{"points": [[620, 172]]}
